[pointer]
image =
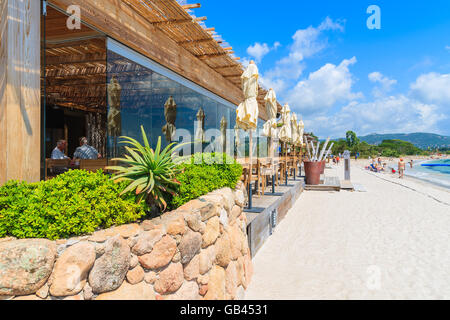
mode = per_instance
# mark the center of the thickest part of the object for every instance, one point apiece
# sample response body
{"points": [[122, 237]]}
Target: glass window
{"points": [[139, 95]]}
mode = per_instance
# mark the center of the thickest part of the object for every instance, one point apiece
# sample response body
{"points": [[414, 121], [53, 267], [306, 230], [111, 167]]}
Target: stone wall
{"points": [[199, 251]]}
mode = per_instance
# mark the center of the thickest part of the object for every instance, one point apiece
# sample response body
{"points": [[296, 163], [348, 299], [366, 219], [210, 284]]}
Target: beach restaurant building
{"points": [[102, 68]]}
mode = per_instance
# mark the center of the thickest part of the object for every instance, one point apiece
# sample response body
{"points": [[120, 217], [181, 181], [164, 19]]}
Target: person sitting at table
{"points": [[85, 151], [58, 152]]}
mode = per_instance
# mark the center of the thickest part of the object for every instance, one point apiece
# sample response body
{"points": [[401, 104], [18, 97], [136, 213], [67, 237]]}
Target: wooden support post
{"points": [[20, 100]]}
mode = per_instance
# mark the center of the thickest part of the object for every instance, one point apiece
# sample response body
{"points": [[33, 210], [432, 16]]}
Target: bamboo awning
{"points": [[178, 24]]}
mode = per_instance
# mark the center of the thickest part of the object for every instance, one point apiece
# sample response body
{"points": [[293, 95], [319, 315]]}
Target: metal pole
{"points": [[273, 183], [285, 162], [250, 196], [250, 191]]}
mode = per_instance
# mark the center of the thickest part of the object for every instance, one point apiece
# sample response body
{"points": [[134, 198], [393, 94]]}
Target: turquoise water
{"points": [[436, 175]]}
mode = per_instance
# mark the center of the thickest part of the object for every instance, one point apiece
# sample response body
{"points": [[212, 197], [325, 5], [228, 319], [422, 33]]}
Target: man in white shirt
{"points": [[58, 152]]}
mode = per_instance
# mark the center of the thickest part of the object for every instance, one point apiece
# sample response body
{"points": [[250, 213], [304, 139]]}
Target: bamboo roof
{"points": [[177, 23]]}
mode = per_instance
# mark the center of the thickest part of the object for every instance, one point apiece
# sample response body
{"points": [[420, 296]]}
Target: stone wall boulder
{"points": [[189, 246], [71, 269], [25, 265], [161, 255], [216, 285], [212, 231], [146, 240], [110, 269], [170, 279], [140, 291], [188, 291]]}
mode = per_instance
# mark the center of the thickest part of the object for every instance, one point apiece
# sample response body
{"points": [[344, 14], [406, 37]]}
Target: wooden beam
{"points": [[227, 67], [180, 21], [212, 55], [158, 23], [196, 41], [20, 101], [210, 29], [191, 6], [228, 48], [233, 76]]}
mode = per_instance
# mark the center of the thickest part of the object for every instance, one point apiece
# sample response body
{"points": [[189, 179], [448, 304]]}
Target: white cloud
{"points": [[385, 115], [423, 109], [447, 48], [324, 88], [432, 88], [258, 50], [306, 43], [386, 84]]}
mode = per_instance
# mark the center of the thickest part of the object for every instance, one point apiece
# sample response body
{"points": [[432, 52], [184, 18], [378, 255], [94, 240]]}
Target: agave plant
{"points": [[151, 172]]}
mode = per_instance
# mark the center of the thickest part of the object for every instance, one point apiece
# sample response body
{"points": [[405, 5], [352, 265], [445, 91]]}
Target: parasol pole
{"points": [[307, 148], [317, 150], [295, 162], [323, 149], [251, 168], [285, 162], [329, 150]]}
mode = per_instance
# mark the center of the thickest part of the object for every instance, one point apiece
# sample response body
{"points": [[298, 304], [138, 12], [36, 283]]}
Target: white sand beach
{"points": [[391, 242]]}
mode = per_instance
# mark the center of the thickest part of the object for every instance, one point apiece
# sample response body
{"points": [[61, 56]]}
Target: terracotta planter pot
{"points": [[312, 172], [322, 170]]}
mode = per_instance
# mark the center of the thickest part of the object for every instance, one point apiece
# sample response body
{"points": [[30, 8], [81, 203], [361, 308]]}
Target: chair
{"points": [[93, 165], [53, 164], [266, 171], [248, 177], [282, 168]]}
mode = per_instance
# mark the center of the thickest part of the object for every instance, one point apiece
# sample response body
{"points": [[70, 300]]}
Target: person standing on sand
{"points": [[401, 168], [411, 163]]}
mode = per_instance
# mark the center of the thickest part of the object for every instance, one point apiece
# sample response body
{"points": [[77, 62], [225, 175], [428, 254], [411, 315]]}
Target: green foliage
{"points": [[399, 147], [352, 139], [388, 148], [339, 146], [387, 152], [203, 174], [73, 203], [151, 173]]}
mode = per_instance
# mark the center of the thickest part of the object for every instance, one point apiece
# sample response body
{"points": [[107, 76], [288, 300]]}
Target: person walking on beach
{"points": [[411, 163], [401, 168]]}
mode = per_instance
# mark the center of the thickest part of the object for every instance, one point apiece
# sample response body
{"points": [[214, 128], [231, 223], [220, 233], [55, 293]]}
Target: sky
{"points": [[322, 59]]}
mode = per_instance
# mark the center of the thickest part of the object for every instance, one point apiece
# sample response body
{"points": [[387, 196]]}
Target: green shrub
{"points": [[150, 173], [73, 203], [203, 175]]}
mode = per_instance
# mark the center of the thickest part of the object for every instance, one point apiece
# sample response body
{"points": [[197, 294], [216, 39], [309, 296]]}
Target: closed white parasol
{"points": [[294, 129], [270, 127], [247, 112], [285, 133], [301, 130]]}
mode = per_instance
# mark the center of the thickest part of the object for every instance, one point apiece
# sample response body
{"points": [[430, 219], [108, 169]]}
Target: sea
{"points": [[436, 175]]}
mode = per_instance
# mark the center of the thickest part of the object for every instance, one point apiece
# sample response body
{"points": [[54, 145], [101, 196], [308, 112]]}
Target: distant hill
{"points": [[419, 139]]}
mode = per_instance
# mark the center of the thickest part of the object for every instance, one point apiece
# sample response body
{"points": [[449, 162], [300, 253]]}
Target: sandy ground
{"points": [[391, 242]]}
